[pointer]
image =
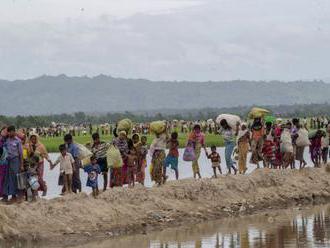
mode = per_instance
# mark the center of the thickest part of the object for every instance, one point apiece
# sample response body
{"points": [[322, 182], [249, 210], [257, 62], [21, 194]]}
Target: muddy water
{"points": [[289, 228]]}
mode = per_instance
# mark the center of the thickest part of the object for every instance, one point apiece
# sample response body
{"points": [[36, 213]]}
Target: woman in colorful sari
{"points": [[13, 146], [258, 132], [229, 138], [268, 149], [141, 166], [121, 143], [243, 144], [35, 148], [197, 138], [157, 152]]}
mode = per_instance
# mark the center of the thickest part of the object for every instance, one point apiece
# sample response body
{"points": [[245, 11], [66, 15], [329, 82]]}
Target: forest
{"points": [[285, 111]]}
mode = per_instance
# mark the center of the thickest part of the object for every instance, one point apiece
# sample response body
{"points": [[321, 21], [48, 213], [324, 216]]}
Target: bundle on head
{"points": [[125, 125], [158, 127]]}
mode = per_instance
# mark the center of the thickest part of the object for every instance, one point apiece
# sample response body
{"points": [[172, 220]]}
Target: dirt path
{"points": [[76, 219]]}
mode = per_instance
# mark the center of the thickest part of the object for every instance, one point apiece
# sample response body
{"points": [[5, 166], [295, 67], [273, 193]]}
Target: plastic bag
{"points": [[189, 153], [302, 139], [83, 152], [158, 127], [258, 113], [21, 180], [34, 183], [231, 120], [114, 158], [286, 142], [270, 119]]}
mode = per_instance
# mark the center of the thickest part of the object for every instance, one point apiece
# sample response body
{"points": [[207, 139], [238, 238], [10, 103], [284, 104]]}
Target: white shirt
{"points": [[66, 163]]}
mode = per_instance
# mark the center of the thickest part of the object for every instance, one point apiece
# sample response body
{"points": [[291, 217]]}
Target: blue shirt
{"points": [[14, 148], [73, 150], [93, 172]]}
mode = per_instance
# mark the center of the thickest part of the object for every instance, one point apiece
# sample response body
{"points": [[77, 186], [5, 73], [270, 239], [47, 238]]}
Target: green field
{"points": [[53, 143]]}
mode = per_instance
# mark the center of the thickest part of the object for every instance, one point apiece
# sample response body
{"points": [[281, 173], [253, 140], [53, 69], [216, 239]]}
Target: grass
{"points": [[52, 144]]}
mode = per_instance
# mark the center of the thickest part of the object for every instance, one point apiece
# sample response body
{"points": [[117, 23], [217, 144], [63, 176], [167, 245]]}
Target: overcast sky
{"points": [[166, 39]]}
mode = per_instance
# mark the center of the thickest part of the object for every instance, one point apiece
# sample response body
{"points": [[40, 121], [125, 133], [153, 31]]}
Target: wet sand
{"points": [[78, 219]]}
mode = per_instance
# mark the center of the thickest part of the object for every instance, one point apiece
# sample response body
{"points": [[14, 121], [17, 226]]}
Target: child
{"points": [[66, 162], [93, 171], [215, 159], [132, 163], [143, 162], [32, 165], [172, 158]]}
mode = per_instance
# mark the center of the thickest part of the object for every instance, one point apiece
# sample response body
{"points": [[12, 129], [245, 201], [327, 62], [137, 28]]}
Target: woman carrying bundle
{"points": [[121, 144], [157, 152], [257, 130], [36, 148], [229, 138], [243, 144]]}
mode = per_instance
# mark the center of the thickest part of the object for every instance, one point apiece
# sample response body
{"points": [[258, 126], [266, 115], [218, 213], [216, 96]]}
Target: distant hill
{"points": [[59, 94]]}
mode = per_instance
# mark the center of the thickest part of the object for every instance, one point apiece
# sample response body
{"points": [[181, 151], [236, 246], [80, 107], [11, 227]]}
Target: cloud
{"points": [[171, 40]]}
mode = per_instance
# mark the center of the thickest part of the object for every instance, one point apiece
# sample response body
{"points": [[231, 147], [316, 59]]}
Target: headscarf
{"points": [[38, 148], [242, 133], [159, 143]]}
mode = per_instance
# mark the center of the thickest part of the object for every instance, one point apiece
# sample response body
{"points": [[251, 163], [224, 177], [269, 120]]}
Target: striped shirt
{"points": [[100, 150]]}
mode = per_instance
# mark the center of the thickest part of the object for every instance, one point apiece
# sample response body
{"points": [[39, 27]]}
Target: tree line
{"points": [[283, 111]]}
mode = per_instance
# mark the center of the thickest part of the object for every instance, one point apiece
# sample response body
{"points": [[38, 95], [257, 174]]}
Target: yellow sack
{"points": [[125, 125], [158, 127], [114, 158], [150, 169], [258, 113]]}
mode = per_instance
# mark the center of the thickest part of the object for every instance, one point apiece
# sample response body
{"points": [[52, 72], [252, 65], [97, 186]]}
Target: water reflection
{"points": [[309, 228], [290, 228]]}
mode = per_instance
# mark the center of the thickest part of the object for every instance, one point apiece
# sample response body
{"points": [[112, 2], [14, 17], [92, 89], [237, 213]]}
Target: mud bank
{"points": [[77, 219]]}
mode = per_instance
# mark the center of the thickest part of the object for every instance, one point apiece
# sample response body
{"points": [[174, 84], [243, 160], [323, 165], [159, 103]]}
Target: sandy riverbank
{"points": [[75, 219]]}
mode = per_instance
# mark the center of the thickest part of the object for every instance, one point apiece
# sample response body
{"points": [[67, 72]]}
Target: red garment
{"points": [[173, 145], [268, 149]]}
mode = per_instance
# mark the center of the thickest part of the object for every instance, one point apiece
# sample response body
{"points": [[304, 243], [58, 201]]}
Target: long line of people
{"points": [[273, 144]]}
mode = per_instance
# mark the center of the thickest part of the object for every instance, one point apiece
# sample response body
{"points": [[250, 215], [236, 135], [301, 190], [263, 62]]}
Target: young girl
{"points": [[32, 171], [215, 159], [140, 175], [243, 145], [67, 168], [93, 170], [132, 163], [257, 131], [315, 148], [173, 155]]}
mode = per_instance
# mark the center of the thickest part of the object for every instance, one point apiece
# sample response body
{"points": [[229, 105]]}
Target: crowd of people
{"points": [[61, 129], [275, 144]]}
